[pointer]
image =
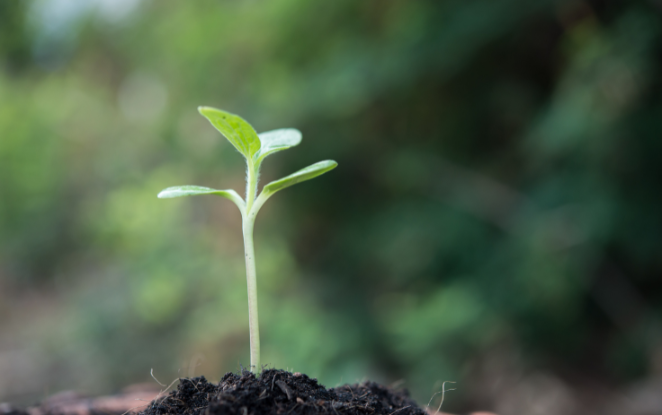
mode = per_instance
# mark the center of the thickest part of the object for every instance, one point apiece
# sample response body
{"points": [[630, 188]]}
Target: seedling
{"points": [[255, 148]]}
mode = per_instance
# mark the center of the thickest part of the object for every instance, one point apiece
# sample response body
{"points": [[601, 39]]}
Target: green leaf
{"points": [[302, 175], [181, 191], [277, 140], [240, 133]]}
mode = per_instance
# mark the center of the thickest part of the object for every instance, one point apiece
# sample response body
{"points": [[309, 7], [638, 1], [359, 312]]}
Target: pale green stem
{"points": [[251, 280], [251, 283], [251, 184]]}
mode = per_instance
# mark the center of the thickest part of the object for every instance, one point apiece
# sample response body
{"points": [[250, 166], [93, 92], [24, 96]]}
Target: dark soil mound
{"points": [[280, 392]]}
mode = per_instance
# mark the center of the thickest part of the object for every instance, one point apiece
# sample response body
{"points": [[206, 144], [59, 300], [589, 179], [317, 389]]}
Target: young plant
{"points": [[255, 148]]}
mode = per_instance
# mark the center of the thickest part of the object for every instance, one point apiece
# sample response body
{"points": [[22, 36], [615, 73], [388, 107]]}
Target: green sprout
{"points": [[255, 148]]}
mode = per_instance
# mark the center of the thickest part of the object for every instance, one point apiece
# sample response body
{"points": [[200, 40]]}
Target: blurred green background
{"points": [[495, 219]]}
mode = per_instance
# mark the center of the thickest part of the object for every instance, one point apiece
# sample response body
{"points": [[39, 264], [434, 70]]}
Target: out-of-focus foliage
{"points": [[498, 198]]}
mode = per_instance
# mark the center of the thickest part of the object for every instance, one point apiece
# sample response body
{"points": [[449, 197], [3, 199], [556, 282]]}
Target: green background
{"points": [[495, 218]]}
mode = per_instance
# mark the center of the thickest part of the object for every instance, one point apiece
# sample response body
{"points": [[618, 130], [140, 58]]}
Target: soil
{"points": [[274, 392], [280, 392]]}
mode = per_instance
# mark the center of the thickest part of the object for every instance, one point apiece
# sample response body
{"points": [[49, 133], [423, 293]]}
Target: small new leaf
{"points": [[238, 132], [181, 191], [302, 175], [277, 140]]}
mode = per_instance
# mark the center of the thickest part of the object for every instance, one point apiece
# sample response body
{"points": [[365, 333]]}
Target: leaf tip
{"points": [[330, 164]]}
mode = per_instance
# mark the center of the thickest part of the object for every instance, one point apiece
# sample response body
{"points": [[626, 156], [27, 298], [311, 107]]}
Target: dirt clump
{"points": [[280, 392]]}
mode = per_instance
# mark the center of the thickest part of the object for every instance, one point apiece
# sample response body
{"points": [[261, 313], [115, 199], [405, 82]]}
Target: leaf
{"points": [[182, 191], [302, 175], [240, 133], [277, 140]]}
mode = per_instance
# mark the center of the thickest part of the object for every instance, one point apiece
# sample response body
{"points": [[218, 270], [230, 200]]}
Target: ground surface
{"points": [[274, 392], [280, 392]]}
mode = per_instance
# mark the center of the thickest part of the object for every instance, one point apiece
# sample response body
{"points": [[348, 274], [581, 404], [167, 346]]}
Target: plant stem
{"points": [[251, 282], [251, 184]]}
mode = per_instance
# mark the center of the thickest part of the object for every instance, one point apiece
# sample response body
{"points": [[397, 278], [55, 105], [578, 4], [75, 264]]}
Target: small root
{"points": [[151, 372], [405, 407], [443, 394]]}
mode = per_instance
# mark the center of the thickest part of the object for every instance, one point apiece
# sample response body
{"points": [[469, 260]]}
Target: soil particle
{"points": [[280, 392]]}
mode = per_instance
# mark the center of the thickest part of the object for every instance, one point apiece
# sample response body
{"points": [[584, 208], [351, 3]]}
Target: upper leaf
{"points": [[181, 191], [240, 133], [277, 140], [302, 175]]}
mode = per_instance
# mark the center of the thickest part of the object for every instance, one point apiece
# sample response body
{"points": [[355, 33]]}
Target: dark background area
{"points": [[495, 218]]}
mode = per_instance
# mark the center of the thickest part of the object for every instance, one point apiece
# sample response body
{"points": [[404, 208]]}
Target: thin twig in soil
{"points": [[164, 390], [443, 394], [151, 372], [350, 391], [333, 407], [399, 410], [195, 385], [157, 396]]}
